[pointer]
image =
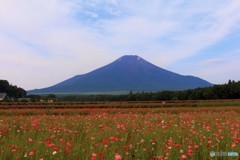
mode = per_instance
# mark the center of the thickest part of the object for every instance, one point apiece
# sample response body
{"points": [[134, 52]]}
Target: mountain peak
{"points": [[130, 58]]}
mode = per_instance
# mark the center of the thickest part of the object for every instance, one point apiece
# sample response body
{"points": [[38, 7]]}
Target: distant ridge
{"points": [[128, 73]]}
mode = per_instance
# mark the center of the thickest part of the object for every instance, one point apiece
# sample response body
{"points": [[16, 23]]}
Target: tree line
{"points": [[230, 90]]}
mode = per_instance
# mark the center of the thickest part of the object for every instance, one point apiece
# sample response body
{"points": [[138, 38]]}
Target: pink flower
{"points": [[233, 145], [30, 140], [118, 157], [50, 145], [94, 155], [31, 153], [195, 146], [35, 123], [207, 128], [190, 151], [170, 141], [184, 156], [159, 157]]}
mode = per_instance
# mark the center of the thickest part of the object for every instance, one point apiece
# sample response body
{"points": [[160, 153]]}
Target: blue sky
{"points": [[43, 42]]}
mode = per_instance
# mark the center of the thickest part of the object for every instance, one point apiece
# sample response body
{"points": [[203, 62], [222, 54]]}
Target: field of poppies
{"points": [[105, 134]]}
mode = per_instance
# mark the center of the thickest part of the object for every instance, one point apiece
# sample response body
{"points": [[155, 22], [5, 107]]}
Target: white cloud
{"points": [[41, 44], [220, 72], [212, 61]]}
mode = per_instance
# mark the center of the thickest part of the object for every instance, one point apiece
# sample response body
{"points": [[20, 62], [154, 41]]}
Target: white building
{"points": [[2, 96]]}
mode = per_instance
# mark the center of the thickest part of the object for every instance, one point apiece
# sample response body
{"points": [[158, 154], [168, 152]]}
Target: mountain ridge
{"points": [[127, 73]]}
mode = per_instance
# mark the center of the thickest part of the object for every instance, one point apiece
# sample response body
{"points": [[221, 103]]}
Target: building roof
{"points": [[2, 96]]}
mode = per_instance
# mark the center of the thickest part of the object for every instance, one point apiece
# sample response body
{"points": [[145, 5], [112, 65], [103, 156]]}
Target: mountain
{"points": [[128, 73]]}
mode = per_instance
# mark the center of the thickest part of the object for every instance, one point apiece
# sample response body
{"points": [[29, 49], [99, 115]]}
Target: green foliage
{"points": [[231, 90], [12, 91], [34, 98]]}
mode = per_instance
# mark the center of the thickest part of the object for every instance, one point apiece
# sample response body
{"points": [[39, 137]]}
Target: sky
{"points": [[43, 42]]}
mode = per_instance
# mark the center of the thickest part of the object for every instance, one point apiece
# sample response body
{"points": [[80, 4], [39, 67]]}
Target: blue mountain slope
{"points": [[126, 73]]}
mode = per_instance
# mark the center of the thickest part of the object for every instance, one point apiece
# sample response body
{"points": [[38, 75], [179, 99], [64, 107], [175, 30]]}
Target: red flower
{"points": [[177, 145], [104, 141], [100, 154], [209, 143], [57, 148], [112, 138], [124, 147], [4, 131], [67, 152], [47, 140]]}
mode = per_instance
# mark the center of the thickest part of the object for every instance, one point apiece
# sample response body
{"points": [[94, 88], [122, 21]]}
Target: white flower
{"points": [[54, 152]]}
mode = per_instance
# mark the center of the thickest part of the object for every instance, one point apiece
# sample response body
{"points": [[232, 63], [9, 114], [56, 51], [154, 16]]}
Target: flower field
{"points": [[108, 134]]}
